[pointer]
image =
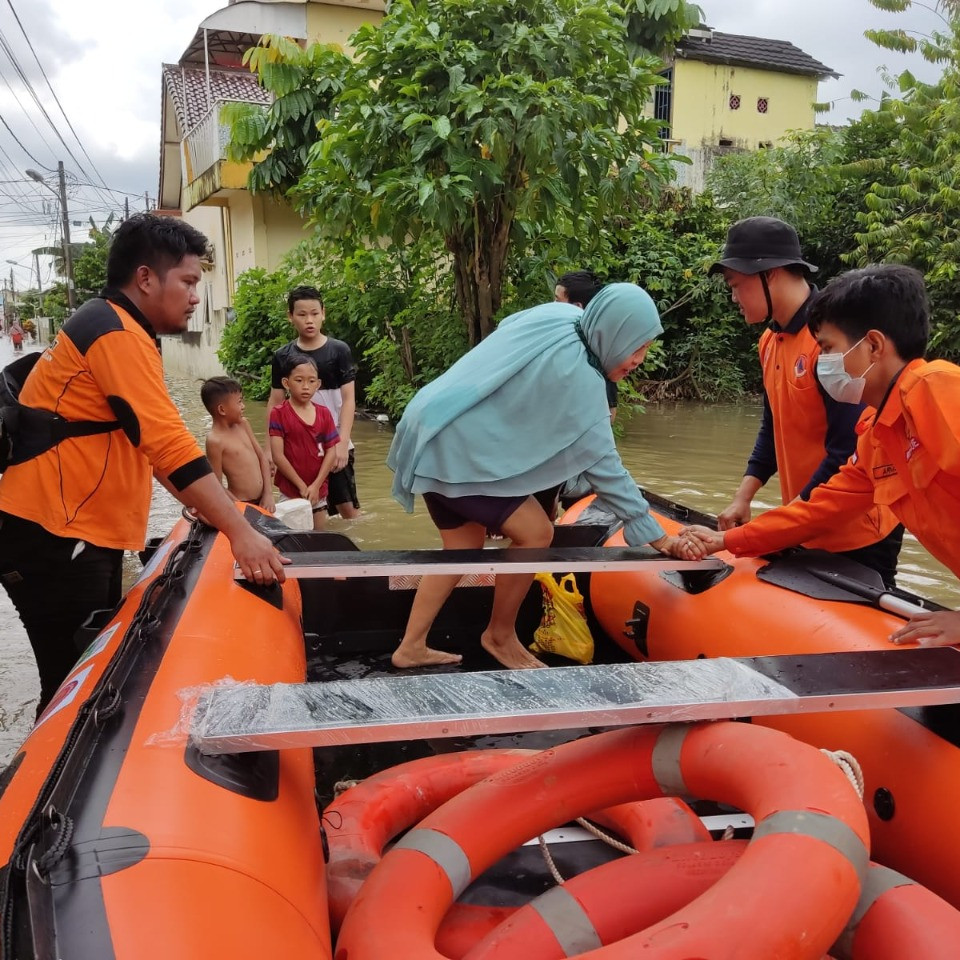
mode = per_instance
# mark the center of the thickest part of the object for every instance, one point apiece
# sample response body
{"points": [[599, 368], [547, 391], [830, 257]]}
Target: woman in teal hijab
{"points": [[522, 412]]}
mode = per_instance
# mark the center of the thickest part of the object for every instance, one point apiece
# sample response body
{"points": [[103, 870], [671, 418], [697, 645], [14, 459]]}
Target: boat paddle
{"points": [[828, 576]]}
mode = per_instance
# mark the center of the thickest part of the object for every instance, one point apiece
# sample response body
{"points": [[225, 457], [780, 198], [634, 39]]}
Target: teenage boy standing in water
{"points": [[337, 393]]}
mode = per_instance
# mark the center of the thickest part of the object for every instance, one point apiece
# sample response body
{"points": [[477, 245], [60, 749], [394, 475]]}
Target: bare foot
{"points": [[510, 652], [422, 657]]}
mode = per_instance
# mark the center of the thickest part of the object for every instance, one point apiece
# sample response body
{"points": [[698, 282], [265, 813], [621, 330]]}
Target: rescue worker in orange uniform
{"points": [[805, 435], [68, 514], [872, 326]]}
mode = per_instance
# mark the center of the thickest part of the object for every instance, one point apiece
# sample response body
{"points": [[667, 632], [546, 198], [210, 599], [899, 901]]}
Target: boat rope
{"points": [[606, 837], [849, 764], [591, 828], [342, 786], [63, 826], [548, 859]]}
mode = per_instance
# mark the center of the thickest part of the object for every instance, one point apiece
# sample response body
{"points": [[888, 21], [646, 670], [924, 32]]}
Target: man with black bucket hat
{"points": [[805, 436]]}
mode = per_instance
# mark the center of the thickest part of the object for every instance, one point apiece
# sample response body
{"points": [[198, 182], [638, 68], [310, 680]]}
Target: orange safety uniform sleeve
{"points": [[848, 492]]}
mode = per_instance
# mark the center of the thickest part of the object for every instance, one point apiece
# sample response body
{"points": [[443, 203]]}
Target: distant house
{"points": [[198, 183], [730, 92]]}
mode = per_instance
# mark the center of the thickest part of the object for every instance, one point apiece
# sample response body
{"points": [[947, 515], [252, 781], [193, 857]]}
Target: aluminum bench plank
{"points": [[384, 563], [249, 717]]}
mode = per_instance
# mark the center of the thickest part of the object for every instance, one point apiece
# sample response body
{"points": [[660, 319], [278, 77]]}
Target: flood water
{"points": [[691, 453]]}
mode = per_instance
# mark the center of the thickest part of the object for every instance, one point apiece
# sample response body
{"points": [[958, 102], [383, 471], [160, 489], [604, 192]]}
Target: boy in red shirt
{"points": [[872, 326], [303, 438]]}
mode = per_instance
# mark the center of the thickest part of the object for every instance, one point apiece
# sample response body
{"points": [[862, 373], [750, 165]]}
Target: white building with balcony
{"points": [[198, 183]]}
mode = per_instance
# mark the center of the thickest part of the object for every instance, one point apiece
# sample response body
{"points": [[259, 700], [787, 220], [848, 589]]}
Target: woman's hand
{"points": [[711, 540], [935, 629], [681, 548]]}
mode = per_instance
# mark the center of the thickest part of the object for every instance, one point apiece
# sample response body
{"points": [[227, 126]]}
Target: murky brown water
{"points": [[687, 452]]}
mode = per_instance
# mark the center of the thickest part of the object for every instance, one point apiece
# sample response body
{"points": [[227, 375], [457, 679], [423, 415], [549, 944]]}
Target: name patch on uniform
{"points": [[887, 470]]}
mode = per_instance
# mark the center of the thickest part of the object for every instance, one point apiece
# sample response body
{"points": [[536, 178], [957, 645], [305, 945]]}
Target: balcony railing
{"points": [[206, 144]]}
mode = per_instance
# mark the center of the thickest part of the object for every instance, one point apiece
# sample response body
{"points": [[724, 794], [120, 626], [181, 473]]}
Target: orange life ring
{"points": [[585, 912], [802, 870], [365, 818], [897, 918]]}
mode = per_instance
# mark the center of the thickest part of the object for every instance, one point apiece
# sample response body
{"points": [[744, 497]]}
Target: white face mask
{"points": [[836, 381]]}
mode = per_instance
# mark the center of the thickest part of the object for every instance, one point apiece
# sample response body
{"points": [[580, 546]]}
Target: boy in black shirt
{"points": [[337, 373]]}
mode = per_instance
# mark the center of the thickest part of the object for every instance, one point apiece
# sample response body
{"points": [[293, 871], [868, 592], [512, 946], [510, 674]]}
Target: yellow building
{"points": [[198, 183], [730, 92]]}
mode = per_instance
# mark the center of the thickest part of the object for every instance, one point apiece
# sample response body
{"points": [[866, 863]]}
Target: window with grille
{"points": [[663, 104], [734, 101], [763, 104]]}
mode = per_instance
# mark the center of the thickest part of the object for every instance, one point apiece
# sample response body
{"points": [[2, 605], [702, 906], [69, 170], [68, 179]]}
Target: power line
{"points": [[8, 50], [22, 147], [16, 97], [54, 92]]}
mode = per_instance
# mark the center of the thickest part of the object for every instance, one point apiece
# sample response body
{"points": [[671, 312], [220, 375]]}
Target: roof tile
{"points": [[732, 48], [187, 88]]}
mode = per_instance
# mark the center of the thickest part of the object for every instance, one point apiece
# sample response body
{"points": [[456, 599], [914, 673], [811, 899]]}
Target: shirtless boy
{"points": [[232, 449]]}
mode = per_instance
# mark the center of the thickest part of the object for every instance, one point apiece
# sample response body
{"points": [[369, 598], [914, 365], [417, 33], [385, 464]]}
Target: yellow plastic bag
{"points": [[563, 628]]}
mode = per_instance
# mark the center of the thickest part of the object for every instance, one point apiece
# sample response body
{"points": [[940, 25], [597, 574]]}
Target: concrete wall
{"points": [[327, 23], [245, 231], [285, 229], [701, 105], [194, 354]]}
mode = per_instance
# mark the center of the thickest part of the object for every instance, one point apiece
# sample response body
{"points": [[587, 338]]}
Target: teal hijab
{"points": [[525, 409]]}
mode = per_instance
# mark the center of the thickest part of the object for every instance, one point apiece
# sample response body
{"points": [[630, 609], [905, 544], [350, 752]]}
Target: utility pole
{"points": [[13, 297], [36, 261], [126, 208], [67, 252]]}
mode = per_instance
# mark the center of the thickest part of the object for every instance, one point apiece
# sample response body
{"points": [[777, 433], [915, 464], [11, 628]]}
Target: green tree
{"points": [[912, 213], [89, 268], [801, 180], [304, 83], [395, 308], [478, 120]]}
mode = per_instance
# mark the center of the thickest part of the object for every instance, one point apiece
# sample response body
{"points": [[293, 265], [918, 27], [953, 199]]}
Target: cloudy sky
{"points": [[102, 59]]}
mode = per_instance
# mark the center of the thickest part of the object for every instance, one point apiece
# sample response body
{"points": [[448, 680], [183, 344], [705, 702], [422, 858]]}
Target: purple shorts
{"points": [[448, 513]]}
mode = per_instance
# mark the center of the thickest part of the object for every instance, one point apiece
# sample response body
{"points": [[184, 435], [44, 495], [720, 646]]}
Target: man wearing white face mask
{"points": [[806, 433], [872, 326]]}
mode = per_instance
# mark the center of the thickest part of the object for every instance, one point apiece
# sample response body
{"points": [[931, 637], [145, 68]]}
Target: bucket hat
{"points": [[760, 243]]}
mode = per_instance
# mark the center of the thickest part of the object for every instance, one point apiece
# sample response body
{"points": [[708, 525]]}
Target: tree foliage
{"points": [[394, 308], [806, 180], [478, 120], [912, 204], [304, 83], [89, 269]]}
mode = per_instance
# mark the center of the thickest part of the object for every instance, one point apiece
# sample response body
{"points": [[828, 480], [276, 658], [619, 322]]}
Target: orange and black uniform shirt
{"points": [[805, 435], [105, 360], [907, 460]]}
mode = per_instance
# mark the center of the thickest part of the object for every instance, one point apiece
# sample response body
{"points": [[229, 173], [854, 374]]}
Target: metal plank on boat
{"points": [[250, 717], [384, 563]]}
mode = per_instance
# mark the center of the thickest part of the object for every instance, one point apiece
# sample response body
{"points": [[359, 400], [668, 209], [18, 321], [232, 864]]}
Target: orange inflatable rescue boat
{"points": [[758, 607], [121, 840]]}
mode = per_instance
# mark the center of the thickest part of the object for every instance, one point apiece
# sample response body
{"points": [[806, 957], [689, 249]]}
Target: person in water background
{"points": [[872, 326], [521, 412], [337, 390], [231, 447], [805, 435], [303, 438]]}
